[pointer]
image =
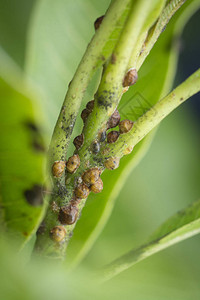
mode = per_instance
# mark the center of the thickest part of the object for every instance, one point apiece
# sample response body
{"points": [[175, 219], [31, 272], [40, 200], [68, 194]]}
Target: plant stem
{"points": [[179, 227], [155, 115], [157, 29], [96, 54]]}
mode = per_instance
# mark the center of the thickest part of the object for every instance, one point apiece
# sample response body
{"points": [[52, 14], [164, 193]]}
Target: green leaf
{"points": [[155, 79], [22, 157], [179, 227]]}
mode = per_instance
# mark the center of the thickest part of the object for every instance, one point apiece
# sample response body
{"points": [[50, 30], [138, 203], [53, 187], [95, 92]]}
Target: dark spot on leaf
{"points": [[38, 146], [31, 126], [34, 196], [25, 233]]}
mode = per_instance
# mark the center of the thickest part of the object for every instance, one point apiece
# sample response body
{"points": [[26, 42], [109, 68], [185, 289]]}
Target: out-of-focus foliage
{"points": [[166, 180], [22, 156]]}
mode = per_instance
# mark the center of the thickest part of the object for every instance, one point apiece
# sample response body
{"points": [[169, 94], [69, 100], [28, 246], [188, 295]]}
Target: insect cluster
{"points": [[90, 180]]}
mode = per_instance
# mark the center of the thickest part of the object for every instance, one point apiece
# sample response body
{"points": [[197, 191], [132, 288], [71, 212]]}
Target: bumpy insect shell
{"points": [[91, 176], [97, 187], [98, 22], [130, 77], [58, 168], [125, 126], [78, 141], [58, 233], [112, 136], [95, 147], [68, 215], [114, 120], [73, 163], [112, 163], [82, 191]]}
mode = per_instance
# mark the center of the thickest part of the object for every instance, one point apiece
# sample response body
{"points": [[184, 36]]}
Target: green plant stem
{"points": [[155, 115], [94, 57], [107, 98], [96, 54], [156, 30], [110, 89], [155, 10], [179, 227]]}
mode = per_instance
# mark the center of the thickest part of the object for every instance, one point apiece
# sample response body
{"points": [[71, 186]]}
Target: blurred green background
{"points": [[165, 181]]}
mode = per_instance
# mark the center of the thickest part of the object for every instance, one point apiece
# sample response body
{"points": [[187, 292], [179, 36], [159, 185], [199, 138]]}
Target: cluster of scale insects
{"points": [[90, 179]]}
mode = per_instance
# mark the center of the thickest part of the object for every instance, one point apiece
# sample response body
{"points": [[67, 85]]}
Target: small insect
{"points": [[130, 77], [78, 141], [125, 126], [91, 176], [102, 136], [82, 191], [95, 147], [90, 106], [58, 233], [58, 168], [112, 136], [128, 150], [68, 215], [84, 115], [97, 187], [98, 22], [73, 163], [114, 120], [112, 163]]}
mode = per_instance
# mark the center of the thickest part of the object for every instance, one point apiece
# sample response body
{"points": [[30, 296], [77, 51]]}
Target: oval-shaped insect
{"points": [[112, 136], [78, 141], [98, 22], [68, 215], [73, 163], [58, 168], [95, 147], [90, 106], [58, 233], [82, 191], [114, 120], [125, 126], [91, 176], [130, 77], [112, 163], [97, 187]]}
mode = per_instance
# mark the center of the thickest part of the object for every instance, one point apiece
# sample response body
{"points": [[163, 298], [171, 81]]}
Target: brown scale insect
{"points": [[91, 176], [97, 187], [82, 191], [89, 108], [112, 136], [130, 77], [68, 215], [98, 22], [112, 163], [58, 168], [125, 126], [114, 120], [73, 163], [95, 147], [84, 115], [128, 150], [90, 105], [78, 141], [102, 136], [58, 233]]}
